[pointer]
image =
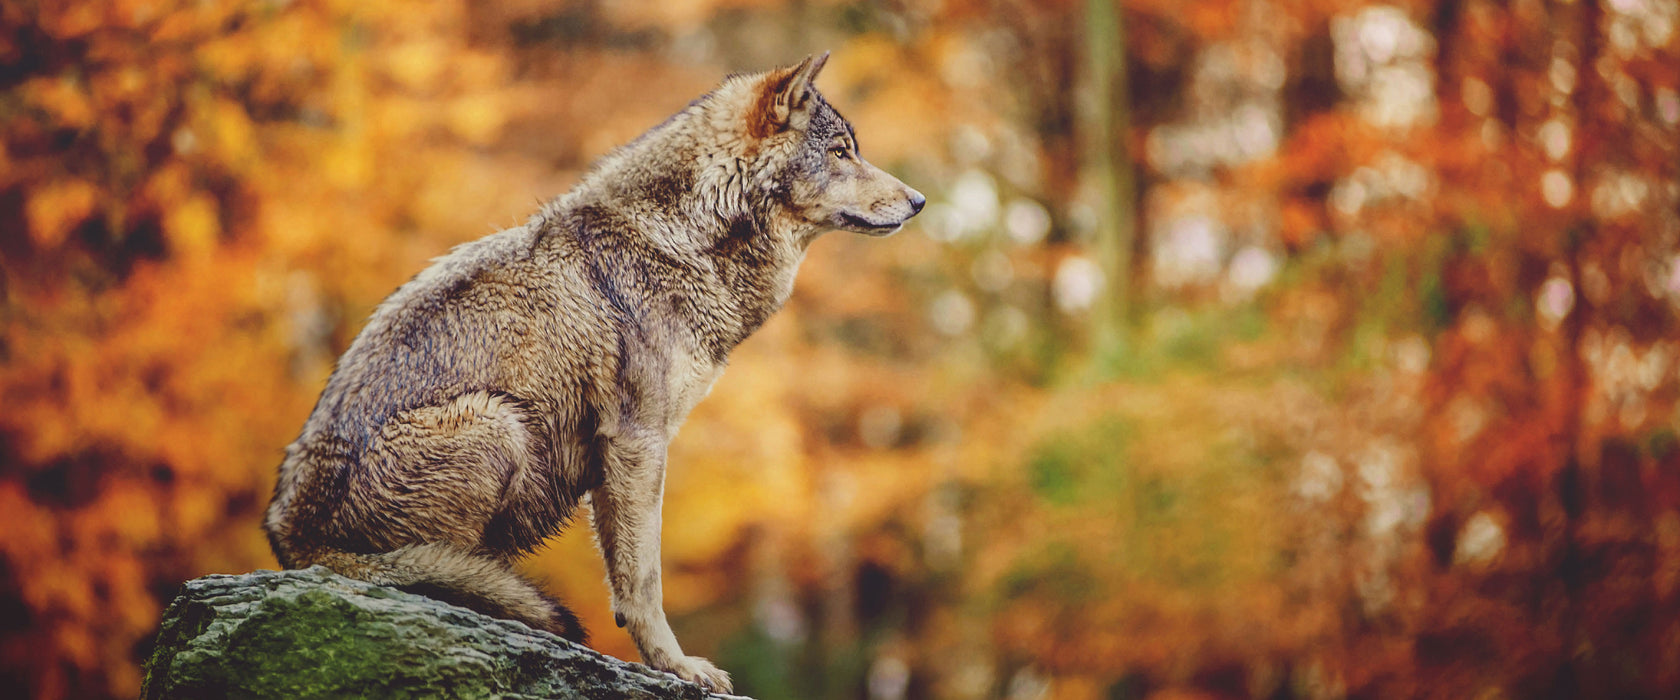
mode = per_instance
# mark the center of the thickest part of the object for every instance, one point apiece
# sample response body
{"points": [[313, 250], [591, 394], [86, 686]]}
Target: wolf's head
{"points": [[762, 158], [807, 157], [727, 195]]}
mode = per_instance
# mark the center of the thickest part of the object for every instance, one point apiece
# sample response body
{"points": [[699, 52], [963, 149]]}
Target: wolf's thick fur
{"points": [[535, 367]]}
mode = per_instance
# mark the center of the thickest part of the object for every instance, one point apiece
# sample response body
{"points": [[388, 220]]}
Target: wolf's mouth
{"points": [[858, 223]]}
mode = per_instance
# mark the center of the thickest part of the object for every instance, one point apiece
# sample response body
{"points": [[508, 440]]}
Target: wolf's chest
{"points": [[689, 379]]}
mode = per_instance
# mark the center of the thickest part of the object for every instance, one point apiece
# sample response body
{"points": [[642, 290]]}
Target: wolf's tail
{"points": [[460, 578]]}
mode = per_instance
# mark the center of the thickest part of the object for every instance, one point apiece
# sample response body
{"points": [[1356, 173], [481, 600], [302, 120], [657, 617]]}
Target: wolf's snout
{"points": [[917, 201]]}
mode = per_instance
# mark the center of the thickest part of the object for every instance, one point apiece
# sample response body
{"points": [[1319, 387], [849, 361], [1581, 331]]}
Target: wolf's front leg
{"points": [[626, 514]]}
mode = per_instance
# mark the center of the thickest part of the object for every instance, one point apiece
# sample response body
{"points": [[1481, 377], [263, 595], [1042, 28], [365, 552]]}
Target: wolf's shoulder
{"points": [[507, 255], [508, 248]]}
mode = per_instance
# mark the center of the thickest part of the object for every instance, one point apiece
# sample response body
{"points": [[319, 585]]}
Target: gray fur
{"points": [[553, 362]]}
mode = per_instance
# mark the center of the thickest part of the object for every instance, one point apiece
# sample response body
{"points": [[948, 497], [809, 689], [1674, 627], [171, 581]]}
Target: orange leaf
{"points": [[56, 208], [193, 226], [63, 98]]}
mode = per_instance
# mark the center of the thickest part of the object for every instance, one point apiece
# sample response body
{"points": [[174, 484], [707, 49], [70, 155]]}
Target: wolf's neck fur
{"points": [[720, 250]]}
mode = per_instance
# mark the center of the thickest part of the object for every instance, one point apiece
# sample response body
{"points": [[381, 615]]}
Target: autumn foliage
{"points": [[1380, 400]]}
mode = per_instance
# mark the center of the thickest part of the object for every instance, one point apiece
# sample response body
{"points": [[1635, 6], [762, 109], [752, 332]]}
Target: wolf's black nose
{"points": [[917, 201]]}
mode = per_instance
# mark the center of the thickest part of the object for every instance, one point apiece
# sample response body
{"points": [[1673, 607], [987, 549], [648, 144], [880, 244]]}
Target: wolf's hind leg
{"points": [[441, 473]]}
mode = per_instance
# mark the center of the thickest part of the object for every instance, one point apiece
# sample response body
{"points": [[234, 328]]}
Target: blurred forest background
{"points": [[1262, 348]]}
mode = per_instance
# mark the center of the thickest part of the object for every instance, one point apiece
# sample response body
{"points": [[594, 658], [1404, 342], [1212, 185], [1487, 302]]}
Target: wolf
{"points": [[547, 365]]}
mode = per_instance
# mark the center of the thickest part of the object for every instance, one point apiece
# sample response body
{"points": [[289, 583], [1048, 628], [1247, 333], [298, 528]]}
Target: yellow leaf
{"points": [[58, 207], [401, 116], [477, 119], [348, 164], [230, 57], [231, 130], [416, 64], [192, 226]]}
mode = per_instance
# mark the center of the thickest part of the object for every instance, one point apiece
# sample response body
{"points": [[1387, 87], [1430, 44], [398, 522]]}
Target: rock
{"points": [[312, 633]]}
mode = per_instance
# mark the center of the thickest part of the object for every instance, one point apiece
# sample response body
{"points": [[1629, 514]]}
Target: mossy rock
{"points": [[314, 634]]}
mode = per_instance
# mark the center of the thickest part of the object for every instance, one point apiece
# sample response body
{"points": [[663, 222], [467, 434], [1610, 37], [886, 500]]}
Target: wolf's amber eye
{"points": [[840, 152]]}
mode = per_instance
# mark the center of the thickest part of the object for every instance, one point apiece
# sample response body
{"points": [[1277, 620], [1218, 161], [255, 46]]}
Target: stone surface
{"points": [[312, 633]]}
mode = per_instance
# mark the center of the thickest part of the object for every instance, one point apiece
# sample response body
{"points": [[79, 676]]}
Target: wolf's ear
{"points": [[786, 92]]}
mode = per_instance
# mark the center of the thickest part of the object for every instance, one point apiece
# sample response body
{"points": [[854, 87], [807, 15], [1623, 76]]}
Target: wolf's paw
{"points": [[700, 671]]}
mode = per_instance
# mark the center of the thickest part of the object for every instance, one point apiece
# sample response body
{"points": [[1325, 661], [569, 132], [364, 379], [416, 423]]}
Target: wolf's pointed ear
{"points": [[786, 92], [799, 89]]}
